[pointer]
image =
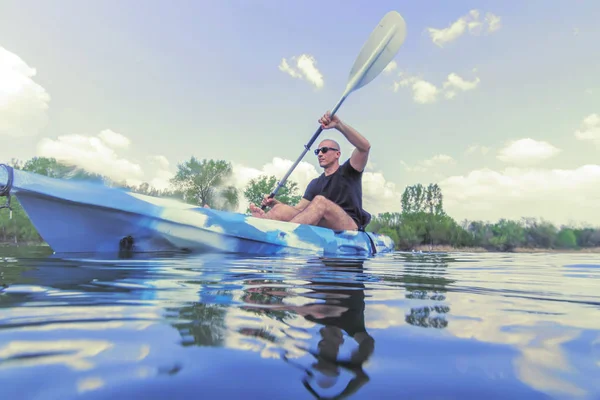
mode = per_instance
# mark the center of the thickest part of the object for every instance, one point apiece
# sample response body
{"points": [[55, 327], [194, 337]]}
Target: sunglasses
{"points": [[324, 150]]}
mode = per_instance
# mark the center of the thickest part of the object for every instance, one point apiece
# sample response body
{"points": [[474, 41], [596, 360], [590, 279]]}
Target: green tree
{"points": [[420, 199], [205, 182], [441, 229], [588, 237], [434, 199], [540, 234], [257, 188], [387, 219], [480, 233], [566, 239], [55, 169], [507, 235], [413, 199], [407, 237], [18, 229]]}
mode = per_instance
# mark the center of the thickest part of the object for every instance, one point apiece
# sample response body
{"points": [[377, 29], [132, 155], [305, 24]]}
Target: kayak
{"points": [[75, 216]]}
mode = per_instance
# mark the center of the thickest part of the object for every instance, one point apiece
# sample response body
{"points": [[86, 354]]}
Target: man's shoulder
{"points": [[314, 182], [348, 169], [316, 179]]}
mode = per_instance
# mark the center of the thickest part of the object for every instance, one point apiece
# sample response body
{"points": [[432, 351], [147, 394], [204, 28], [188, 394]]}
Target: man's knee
{"points": [[320, 199], [328, 207]]}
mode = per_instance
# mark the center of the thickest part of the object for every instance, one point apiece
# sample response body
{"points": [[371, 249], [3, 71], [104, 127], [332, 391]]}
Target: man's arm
{"points": [[360, 155], [302, 204]]}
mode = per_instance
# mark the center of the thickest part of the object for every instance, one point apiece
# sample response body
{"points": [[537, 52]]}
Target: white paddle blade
{"points": [[379, 50]]}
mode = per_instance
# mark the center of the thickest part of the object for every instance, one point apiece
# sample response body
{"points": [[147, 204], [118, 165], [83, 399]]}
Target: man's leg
{"points": [[280, 212], [324, 212]]}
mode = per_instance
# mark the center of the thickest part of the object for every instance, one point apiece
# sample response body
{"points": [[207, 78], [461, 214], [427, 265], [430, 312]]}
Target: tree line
{"points": [[422, 220]]}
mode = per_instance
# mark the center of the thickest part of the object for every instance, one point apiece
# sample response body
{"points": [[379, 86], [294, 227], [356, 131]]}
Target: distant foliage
{"points": [[257, 188], [423, 221], [205, 183]]}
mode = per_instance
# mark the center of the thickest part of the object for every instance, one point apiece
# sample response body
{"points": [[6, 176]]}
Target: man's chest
{"points": [[333, 184]]}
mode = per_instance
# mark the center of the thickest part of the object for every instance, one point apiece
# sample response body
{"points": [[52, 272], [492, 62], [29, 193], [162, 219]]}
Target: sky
{"points": [[496, 102]]}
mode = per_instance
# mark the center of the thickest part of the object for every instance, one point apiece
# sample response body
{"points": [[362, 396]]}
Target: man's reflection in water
{"points": [[340, 309]]}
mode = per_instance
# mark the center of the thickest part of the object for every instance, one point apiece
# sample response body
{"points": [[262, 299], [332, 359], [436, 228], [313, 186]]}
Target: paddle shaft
{"points": [[306, 149]]}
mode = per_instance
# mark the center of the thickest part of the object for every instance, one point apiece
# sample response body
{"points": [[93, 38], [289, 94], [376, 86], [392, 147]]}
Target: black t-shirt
{"points": [[343, 187]]}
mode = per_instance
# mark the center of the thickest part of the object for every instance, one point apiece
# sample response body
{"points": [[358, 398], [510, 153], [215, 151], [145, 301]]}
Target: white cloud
{"points": [[305, 69], [527, 152], [161, 173], [370, 165], [425, 92], [590, 129], [452, 32], [467, 23], [98, 154], [494, 22], [438, 159], [23, 102], [422, 166], [90, 153], [455, 82], [161, 161], [557, 195], [390, 67], [379, 195], [114, 139], [478, 149]]}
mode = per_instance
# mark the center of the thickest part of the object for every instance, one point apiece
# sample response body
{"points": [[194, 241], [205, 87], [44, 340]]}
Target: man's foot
{"points": [[256, 211]]}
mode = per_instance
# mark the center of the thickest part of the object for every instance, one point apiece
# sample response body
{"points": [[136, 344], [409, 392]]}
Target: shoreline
{"points": [[26, 244], [521, 250], [442, 248]]}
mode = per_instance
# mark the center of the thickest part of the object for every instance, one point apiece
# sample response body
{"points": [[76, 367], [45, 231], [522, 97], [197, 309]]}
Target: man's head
{"points": [[328, 153]]}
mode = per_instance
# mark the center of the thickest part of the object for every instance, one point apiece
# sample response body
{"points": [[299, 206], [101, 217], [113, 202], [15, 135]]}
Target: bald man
{"points": [[334, 199]]}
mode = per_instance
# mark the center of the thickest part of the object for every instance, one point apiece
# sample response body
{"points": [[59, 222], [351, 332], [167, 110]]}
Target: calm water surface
{"points": [[426, 326]]}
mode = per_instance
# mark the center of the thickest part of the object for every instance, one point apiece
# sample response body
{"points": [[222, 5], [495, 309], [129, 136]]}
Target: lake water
{"points": [[402, 326]]}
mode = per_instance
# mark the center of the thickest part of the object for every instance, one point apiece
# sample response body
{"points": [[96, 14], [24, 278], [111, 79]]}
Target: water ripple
{"points": [[424, 325]]}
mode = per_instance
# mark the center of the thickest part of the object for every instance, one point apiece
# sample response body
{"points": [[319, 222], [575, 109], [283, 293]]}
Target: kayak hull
{"points": [[84, 217]]}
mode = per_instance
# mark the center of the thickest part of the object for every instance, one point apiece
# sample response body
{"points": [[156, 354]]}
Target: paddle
{"points": [[375, 55]]}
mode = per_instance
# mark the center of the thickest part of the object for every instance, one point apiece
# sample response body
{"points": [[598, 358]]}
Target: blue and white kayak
{"points": [[86, 217]]}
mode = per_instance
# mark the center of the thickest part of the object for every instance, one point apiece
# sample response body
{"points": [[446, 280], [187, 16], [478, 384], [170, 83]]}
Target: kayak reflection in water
{"points": [[330, 375], [334, 199]]}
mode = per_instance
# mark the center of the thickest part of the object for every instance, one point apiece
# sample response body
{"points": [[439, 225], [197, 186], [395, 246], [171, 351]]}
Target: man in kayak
{"points": [[334, 199]]}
